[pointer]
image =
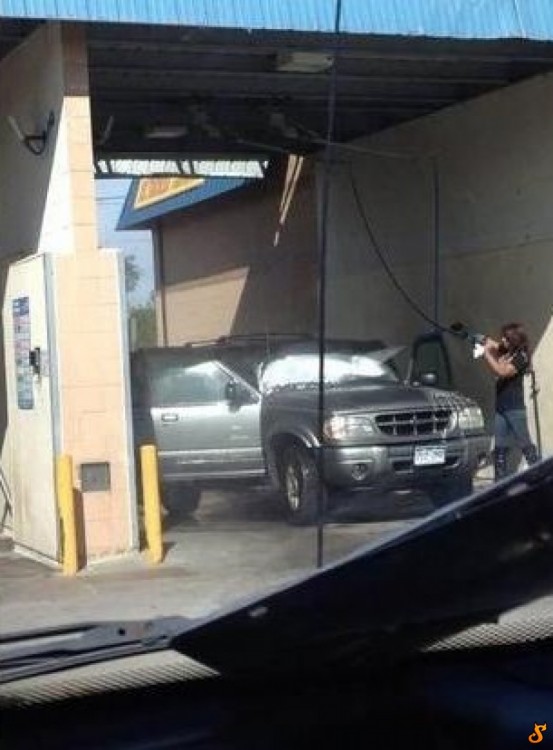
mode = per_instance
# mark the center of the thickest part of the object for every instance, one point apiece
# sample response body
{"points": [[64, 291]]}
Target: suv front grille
{"points": [[406, 423]]}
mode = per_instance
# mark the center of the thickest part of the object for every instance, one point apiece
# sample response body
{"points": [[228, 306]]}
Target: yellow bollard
{"points": [[152, 502], [66, 502]]}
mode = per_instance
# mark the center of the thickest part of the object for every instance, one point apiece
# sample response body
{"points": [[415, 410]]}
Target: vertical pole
{"points": [[436, 238], [152, 502], [534, 390], [66, 503], [160, 286], [323, 252]]}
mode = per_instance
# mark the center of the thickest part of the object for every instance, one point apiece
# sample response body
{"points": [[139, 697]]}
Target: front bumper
{"points": [[392, 466]]}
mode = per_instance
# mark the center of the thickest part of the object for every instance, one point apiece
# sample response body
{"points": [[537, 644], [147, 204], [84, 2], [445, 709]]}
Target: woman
{"points": [[509, 360]]}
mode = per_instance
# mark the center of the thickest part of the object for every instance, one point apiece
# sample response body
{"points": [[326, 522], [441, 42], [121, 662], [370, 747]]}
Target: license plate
{"points": [[429, 455]]}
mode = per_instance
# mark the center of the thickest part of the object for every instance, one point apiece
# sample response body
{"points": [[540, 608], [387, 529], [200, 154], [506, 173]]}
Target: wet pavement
{"points": [[236, 545]]}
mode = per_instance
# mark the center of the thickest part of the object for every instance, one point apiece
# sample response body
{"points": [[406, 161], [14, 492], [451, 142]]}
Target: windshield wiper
{"points": [[48, 650]]}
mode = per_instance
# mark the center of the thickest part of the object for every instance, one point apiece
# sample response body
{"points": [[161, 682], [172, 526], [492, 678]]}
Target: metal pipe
{"points": [[323, 252], [160, 286], [534, 390]]}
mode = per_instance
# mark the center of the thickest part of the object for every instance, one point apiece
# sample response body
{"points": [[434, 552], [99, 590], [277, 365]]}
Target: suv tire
{"points": [[181, 498], [445, 492], [300, 485]]}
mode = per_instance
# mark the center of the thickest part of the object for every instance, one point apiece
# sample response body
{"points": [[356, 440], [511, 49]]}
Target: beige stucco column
{"points": [[49, 212]]}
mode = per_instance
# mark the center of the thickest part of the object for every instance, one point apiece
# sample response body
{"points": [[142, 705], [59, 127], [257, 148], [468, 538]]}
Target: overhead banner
{"points": [[116, 167]]}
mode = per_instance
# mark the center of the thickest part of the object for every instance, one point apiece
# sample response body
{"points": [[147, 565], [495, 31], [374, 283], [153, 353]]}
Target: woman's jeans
{"points": [[512, 426]]}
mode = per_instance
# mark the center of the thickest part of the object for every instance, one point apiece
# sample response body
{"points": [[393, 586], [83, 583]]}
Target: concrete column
{"points": [[51, 210]]}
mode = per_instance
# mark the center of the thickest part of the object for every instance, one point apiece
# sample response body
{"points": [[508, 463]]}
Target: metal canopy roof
{"points": [[469, 19], [226, 90]]}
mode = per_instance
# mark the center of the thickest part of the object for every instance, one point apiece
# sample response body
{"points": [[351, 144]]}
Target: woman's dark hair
{"points": [[516, 337]]}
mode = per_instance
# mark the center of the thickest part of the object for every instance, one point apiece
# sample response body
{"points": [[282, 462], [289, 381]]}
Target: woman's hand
{"points": [[490, 345], [501, 366]]}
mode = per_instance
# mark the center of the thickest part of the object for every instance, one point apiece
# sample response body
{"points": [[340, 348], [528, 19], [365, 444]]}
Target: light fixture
{"points": [[303, 62], [34, 142], [166, 132]]}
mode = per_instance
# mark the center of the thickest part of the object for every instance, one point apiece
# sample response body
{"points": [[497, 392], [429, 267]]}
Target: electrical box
{"points": [[95, 477]]}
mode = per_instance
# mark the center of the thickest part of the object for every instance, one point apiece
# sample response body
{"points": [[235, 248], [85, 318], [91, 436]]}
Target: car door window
{"points": [[430, 355], [203, 383]]}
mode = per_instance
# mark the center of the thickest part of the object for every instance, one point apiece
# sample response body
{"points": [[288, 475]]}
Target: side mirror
{"points": [[237, 394]]}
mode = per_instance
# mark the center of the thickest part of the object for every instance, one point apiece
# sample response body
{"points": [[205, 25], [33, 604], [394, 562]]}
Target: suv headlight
{"points": [[471, 418], [348, 427]]}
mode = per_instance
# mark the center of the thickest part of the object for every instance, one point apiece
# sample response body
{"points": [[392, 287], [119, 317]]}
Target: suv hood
{"points": [[377, 397]]}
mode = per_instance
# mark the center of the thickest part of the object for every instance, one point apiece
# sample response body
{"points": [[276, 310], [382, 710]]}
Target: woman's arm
{"points": [[500, 366]]}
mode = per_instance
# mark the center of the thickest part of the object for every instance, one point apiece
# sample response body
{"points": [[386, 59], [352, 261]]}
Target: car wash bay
{"points": [[443, 154]]}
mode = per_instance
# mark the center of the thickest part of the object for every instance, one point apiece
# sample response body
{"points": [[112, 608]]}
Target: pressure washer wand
{"points": [[477, 340]]}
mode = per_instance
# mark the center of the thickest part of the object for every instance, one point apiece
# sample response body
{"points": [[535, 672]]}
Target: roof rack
{"points": [[262, 336], [246, 337], [200, 342]]}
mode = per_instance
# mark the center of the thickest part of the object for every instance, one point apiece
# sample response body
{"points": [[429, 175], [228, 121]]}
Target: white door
{"points": [[30, 429]]}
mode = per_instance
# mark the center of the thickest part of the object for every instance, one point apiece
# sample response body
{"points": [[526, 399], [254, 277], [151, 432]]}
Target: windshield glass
{"points": [[339, 369], [194, 208]]}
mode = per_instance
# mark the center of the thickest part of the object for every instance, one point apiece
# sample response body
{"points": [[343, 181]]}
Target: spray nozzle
{"points": [[461, 330]]}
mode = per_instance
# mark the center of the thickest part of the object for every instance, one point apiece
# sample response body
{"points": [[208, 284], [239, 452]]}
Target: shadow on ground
{"points": [[262, 506]]}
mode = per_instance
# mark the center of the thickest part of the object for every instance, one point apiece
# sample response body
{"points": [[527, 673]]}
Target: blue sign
{"points": [[22, 346]]}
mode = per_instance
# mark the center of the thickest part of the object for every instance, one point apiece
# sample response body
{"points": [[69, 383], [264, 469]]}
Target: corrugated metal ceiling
{"points": [[226, 89]]}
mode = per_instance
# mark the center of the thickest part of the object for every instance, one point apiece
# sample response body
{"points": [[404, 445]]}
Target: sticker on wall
{"points": [[22, 343]]}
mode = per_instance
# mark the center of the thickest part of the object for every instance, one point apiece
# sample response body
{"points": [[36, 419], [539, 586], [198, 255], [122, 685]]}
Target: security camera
{"points": [[34, 142]]}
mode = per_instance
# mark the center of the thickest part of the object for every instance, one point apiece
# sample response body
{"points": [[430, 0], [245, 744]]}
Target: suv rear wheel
{"points": [[300, 485], [181, 498]]}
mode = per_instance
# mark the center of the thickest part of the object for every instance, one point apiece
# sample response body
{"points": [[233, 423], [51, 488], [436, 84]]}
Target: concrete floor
{"points": [[235, 546]]}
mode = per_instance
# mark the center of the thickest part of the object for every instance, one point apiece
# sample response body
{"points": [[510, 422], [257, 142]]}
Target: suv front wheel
{"points": [[447, 491], [300, 485]]}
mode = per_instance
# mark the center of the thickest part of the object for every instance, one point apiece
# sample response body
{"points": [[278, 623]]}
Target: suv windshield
{"points": [[339, 369]]}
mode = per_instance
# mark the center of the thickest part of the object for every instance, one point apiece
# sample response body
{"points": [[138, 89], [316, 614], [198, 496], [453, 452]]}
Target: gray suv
{"points": [[247, 409]]}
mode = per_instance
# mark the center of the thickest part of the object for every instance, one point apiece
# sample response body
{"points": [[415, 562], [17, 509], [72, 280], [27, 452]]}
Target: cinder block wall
{"points": [[48, 207]]}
